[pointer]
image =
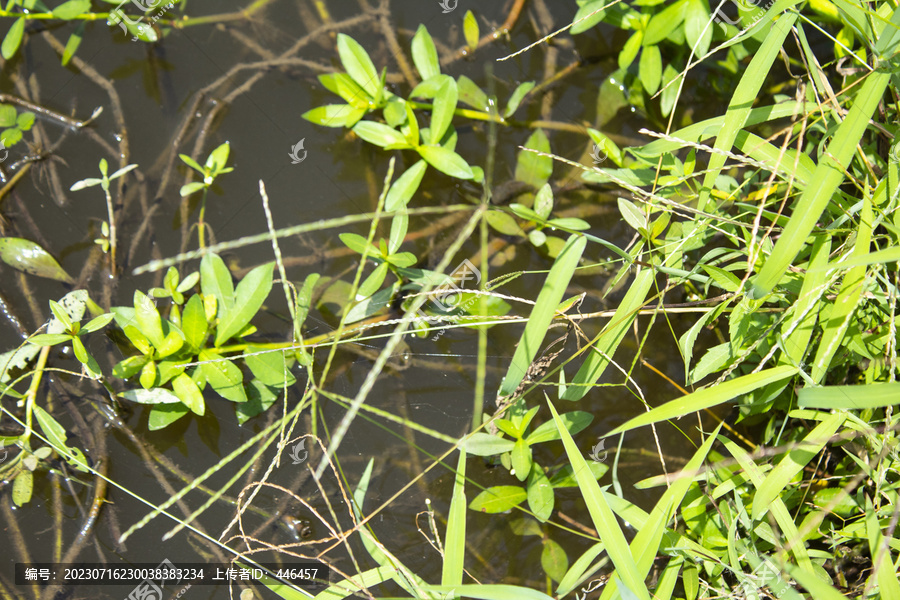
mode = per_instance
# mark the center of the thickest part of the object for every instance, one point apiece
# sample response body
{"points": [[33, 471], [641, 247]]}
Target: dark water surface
{"points": [[157, 87]]}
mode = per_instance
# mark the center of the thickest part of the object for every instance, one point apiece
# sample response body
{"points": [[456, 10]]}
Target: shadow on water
{"points": [[247, 81]]}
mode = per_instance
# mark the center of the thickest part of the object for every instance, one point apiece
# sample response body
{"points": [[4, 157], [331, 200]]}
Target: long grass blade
{"points": [[455, 540], [602, 516], [849, 397], [549, 298], [707, 398], [743, 98]]}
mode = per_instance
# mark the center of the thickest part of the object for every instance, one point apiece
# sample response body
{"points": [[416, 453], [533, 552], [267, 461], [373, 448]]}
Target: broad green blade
{"points": [[455, 540], [602, 516], [707, 397], [849, 397], [549, 298]]}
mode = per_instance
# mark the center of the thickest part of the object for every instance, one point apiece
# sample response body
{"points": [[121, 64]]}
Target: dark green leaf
{"points": [[224, 377], [442, 113], [74, 42], [498, 499], [531, 168], [56, 435], [163, 415], [193, 322], [574, 422], [249, 296], [587, 16]]}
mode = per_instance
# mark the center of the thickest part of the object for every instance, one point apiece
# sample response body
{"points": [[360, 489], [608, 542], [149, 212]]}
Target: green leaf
{"points": [[565, 477], [424, 54], [663, 23], [62, 315], [373, 282], [517, 96], [148, 320], [7, 115], [543, 201], [344, 86], [850, 397], [381, 135], [442, 114], [521, 460], [554, 560], [574, 422], [49, 339], [189, 394], [471, 94], [215, 280], [485, 444], [359, 244], [357, 63], [498, 499], [12, 41], [650, 69], [28, 257], [549, 298], [446, 161], [271, 368], [97, 323], [217, 159], [531, 168], [24, 482], [588, 15], [189, 188], [633, 215], [74, 42], [152, 396], [707, 397], [193, 322], [697, 28], [223, 375], [163, 415], [249, 296], [470, 30], [540, 494], [56, 435], [71, 9]]}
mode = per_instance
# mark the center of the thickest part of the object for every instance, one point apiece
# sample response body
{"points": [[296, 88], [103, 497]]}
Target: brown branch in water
{"points": [[391, 37], [504, 29]]}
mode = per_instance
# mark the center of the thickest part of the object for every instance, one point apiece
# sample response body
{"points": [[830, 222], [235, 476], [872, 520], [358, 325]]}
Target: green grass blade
{"points": [[455, 540], [794, 462], [743, 98], [344, 588], [828, 176], [549, 298], [850, 397], [707, 397], [602, 516], [609, 338], [778, 509], [649, 537], [818, 589], [490, 592], [884, 572], [847, 299]]}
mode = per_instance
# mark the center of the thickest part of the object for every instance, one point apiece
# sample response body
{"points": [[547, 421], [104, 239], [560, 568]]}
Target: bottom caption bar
{"points": [[166, 573]]}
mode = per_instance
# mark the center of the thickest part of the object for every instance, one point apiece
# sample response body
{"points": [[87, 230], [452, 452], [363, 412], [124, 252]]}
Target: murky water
{"points": [[258, 111]]}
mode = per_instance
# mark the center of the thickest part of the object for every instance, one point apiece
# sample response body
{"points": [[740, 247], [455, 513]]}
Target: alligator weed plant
{"points": [[775, 222]]}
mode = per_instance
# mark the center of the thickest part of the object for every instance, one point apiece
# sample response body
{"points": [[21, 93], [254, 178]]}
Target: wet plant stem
{"points": [[31, 394], [112, 230], [201, 226]]}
